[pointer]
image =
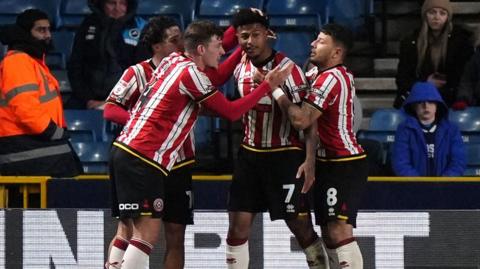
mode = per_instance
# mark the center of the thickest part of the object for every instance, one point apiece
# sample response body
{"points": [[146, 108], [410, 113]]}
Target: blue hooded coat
{"points": [[410, 151]]}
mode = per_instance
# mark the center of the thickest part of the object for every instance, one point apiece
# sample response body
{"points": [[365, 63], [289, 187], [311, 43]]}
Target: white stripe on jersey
{"points": [[342, 110], [174, 134], [327, 87], [154, 100]]}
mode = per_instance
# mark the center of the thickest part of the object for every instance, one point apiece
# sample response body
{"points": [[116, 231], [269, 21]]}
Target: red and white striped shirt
{"points": [[332, 93], [132, 84], [265, 126], [163, 118]]}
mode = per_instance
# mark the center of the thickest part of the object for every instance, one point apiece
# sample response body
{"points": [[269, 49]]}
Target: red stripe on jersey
{"points": [[265, 126], [165, 115], [332, 92]]}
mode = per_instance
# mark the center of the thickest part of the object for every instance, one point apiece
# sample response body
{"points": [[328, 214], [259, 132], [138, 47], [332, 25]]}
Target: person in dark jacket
{"points": [[469, 88], [104, 46], [426, 143], [437, 53], [33, 140]]}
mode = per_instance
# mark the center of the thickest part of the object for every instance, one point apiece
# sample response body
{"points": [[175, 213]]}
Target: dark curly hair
{"points": [[340, 35], [154, 31], [247, 16]]}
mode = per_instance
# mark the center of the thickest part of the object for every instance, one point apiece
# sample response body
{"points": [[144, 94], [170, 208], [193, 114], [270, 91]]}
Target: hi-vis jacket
{"points": [[32, 120], [30, 96]]}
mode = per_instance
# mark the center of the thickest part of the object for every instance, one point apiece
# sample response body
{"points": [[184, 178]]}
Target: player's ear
{"points": [[201, 49]]}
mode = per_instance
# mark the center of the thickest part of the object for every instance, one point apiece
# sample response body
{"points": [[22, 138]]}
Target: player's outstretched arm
{"points": [[307, 168], [233, 110]]}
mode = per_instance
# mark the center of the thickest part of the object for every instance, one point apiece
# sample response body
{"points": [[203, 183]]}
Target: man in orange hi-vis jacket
{"points": [[32, 137]]}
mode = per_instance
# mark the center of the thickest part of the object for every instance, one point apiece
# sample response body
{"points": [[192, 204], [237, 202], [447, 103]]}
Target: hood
{"points": [[97, 7], [18, 39], [422, 92]]}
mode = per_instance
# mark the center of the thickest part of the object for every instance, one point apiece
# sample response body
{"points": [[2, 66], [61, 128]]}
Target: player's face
{"points": [[436, 18], [322, 49], [253, 38], [173, 41], [426, 111], [115, 8], [213, 52], [41, 31]]}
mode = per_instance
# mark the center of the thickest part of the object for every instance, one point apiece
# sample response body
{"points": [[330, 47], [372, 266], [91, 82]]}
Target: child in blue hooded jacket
{"points": [[426, 143]]}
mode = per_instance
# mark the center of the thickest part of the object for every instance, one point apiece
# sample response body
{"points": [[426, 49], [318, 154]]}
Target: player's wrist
{"points": [[277, 93]]}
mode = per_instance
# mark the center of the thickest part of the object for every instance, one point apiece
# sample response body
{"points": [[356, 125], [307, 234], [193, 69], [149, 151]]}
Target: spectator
{"points": [[426, 143], [469, 88], [436, 53], [32, 136], [104, 46]]}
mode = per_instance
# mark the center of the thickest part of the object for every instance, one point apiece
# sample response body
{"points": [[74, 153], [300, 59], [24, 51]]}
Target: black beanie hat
{"points": [[27, 18]]}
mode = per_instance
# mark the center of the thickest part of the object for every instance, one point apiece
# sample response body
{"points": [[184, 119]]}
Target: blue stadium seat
{"points": [[9, 9], [296, 13], [386, 137], [295, 44], [385, 120], [471, 137], [467, 120], [220, 11], [182, 10], [83, 124], [94, 156], [72, 13], [473, 160], [203, 131], [63, 42]]}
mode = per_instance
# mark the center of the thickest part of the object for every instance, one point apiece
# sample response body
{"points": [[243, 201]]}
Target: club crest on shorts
{"points": [[158, 205]]}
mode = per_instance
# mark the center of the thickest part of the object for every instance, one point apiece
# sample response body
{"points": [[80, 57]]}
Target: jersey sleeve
{"points": [[296, 84], [124, 89], [196, 84], [323, 92]]}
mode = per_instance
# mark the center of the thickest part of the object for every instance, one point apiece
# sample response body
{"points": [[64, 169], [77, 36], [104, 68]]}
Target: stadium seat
{"points": [[385, 120], [467, 120], [203, 131], [72, 13], [63, 41], [296, 13], [471, 137], [9, 9], [385, 137], [94, 156], [473, 160], [85, 125], [182, 10], [221, 11], [300, 41]]}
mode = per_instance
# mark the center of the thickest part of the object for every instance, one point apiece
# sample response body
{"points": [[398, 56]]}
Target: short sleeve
{"points": [[196, 84], [323, 91]]}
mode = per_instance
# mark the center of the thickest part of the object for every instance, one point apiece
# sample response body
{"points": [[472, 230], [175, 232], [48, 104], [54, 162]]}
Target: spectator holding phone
{"points": [[437, 53]]}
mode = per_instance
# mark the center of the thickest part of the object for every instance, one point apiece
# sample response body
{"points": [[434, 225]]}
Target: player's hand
{"points": [[308, 170], [258, 77], [278, 75]]}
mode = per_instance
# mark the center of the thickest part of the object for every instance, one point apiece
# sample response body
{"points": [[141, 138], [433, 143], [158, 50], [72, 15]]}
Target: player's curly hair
{"points": [[154, 31], [199, 33], [247, 16]]}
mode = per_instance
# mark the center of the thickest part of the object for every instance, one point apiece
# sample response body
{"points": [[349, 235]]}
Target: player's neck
{"points": [[328, 65], [263, 57], [197, 59]]}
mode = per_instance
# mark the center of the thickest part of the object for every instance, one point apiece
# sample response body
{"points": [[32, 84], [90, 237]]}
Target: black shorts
{"points": [[137, 187], [267, 181], [176, 189], [338, 190], [179, 196]]}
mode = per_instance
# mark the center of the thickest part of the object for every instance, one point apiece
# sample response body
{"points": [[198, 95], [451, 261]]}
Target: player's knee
{"points": [[124, 229], [303, 231], [338, 231], [174, 235]]}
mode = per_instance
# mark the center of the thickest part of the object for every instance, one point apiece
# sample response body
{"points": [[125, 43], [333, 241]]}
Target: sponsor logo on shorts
{"points": [[158, 205], [331, 211], [128, 206], [290, 208]]}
